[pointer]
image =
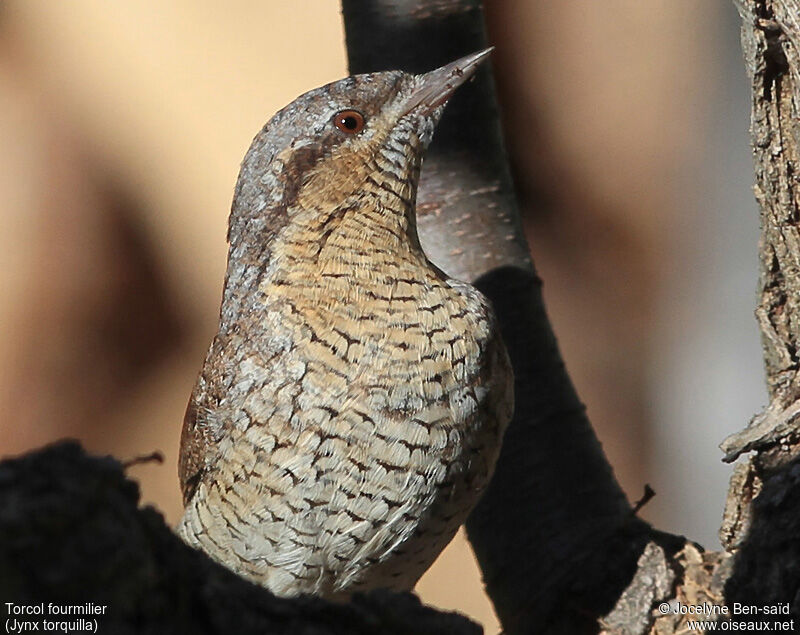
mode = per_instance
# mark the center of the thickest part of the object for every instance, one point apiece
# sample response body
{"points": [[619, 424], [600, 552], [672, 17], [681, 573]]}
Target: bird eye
{"points": [[349, 121]]}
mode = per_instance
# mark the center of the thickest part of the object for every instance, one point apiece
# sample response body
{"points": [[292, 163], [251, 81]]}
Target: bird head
{"points": [[318, 152]]}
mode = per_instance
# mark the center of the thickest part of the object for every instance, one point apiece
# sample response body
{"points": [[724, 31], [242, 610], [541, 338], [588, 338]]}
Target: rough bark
{"points": [[763, 535], [71, 533]]}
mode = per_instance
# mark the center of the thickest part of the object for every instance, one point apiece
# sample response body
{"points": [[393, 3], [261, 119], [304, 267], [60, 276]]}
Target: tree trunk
{"points": [[764, 536]]}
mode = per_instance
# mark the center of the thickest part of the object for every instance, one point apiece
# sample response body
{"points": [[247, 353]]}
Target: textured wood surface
{"points": [[71, 532], [762, 517]]}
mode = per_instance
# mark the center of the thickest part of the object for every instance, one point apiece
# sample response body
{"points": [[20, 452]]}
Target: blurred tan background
{"points": [[121, 130]]}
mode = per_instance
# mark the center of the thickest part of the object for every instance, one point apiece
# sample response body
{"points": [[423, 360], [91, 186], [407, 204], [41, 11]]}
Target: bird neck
{"points": [[361, 242], [330, 252]]}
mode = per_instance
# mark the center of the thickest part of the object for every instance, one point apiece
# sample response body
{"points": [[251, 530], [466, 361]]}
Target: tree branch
{"points": [[554, 535], [71, 533]]}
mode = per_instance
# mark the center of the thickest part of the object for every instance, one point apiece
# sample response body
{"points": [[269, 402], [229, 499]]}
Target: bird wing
{"points": [[201, 429]]}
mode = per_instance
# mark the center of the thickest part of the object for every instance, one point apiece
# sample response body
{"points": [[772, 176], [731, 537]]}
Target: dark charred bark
{"points": [[71, 532]]}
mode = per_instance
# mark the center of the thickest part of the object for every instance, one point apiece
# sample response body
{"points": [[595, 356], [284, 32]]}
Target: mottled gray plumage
{"points": [[351, 406]]}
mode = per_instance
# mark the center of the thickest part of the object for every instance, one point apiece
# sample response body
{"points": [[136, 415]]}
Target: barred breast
{"points": [[361, 422]]}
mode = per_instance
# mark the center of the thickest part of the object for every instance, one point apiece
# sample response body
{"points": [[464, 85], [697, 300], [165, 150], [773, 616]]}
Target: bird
{"points": [[351, 407]]}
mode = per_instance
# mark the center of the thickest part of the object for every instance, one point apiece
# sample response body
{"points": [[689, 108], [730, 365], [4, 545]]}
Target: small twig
{"points": [[775, 423], [649, 492], [153, 457]]}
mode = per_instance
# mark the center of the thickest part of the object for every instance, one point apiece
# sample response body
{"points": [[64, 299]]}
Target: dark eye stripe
{"points": [[349, 121]]}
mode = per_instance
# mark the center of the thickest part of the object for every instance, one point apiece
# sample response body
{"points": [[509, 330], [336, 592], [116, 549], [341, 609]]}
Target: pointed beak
{"points": [[436, 87]]}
